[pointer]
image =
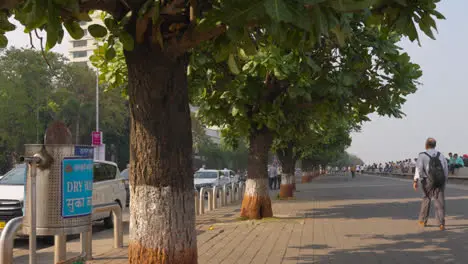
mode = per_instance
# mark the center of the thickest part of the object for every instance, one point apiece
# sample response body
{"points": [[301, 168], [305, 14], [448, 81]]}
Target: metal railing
{"points": [[217, 196], [8, 235], [87, 238], [7, 239]]}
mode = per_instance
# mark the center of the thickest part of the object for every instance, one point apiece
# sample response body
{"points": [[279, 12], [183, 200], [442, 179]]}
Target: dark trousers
{"points": [[438, 194], [273, 183], [452, 167], [278, 181]]}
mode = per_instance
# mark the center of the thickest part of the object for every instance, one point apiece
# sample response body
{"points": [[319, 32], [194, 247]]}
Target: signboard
{"points": [[77, 187], [96, 138], [84, 151]]}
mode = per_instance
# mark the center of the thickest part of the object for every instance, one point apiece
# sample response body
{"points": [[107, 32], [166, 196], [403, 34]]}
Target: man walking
{"points": [[272, 176], [432, 171]]}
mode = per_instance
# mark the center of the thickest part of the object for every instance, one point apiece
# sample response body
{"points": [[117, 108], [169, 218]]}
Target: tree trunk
{"points": [[162, 219], [287, 160], [257, 203], [77, 131]]}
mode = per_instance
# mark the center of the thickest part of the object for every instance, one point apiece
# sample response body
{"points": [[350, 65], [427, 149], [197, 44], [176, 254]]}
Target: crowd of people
{"points": [[454, 162], [405, 166]]}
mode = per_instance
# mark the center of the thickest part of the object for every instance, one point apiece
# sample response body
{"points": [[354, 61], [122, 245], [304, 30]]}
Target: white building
{"points": [[80, 50], [212, 132]]}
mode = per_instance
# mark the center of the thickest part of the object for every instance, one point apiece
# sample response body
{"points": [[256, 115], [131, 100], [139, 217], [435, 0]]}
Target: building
{"points": [[80, 50], [212, 132]]}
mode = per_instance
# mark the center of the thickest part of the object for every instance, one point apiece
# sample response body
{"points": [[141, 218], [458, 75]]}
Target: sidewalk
{"points": [[334, 219]]}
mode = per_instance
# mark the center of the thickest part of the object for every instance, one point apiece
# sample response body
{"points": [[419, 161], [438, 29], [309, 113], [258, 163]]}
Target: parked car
{"points": [[231, 174], [210, 178], [108, 187], [125, 175]]}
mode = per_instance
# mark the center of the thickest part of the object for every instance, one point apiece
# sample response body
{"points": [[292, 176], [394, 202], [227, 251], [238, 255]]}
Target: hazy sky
{"points": [[436, 109]]}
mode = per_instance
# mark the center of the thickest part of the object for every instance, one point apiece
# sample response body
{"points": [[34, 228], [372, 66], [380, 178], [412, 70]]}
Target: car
{"points": [[231, 174], [210, 178], [125, 175], [108, 187]]}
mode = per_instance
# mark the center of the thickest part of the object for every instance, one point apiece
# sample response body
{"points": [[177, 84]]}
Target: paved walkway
{"points": [[333, 219]]}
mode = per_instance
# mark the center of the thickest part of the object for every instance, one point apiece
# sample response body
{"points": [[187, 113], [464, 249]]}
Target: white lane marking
{"points": [[318, 186], [453, 186]]}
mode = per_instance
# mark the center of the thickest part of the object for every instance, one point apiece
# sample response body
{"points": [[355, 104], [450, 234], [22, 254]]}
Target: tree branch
{"points": [[192, 38], [9, 4]]}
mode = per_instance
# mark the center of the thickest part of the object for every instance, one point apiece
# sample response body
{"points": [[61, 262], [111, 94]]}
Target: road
{"points": [[333, 219]]}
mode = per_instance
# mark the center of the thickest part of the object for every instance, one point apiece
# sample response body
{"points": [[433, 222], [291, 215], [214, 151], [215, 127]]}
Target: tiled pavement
{"points": [[333, 219]]}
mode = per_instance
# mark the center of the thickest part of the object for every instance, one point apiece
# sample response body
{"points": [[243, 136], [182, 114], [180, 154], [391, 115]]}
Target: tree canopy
{"points": [[34, 93]]}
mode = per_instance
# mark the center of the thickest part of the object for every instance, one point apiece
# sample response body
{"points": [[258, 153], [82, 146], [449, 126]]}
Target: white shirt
{"points": [[423, 163]]}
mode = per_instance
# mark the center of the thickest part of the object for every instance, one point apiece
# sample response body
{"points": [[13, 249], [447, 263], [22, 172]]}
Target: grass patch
{"points": [[242, 218]]}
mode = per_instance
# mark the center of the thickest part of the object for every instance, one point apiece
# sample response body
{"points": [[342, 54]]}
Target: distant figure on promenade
{"points": [[432, 171], [353, 171], [272, 174]]}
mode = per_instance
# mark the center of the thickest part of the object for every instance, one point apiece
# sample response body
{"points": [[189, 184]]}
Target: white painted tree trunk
{"points": [[155, 211]]}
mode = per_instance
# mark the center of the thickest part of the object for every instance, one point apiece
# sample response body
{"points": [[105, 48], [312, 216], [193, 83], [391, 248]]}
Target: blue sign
{"points": [[77, 187], [84, 151]]}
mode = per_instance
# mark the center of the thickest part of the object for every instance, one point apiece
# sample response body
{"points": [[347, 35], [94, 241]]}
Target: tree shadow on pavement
{"points": [[456, 208], [425, 247]]}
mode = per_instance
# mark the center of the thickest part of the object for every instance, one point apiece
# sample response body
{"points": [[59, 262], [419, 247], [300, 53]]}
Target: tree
{"points": [[277, 92], [157, 37], [34, 94], [25, 88]]}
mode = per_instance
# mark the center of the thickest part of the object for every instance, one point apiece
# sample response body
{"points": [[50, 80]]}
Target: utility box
{"points": [[63, 191]]}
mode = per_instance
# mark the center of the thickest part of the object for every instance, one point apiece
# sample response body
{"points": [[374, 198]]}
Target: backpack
{"points": [[436, 172]]}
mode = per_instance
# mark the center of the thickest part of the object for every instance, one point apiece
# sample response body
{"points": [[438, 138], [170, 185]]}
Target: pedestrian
{"points": [[353, 171], [279, 171], [432, 171], [271, 176]]}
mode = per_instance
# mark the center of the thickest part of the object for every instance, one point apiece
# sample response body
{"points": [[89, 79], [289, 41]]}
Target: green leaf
{"points": [[437, 14], [155, 15], [3, 41], [144, 8], [233, 65], [110, 54], [235, 111], [127, 41], [84, 16], [402, 2], [111, 24], [340, 36], [52, 38], [278, 10], [5, 25], [97, 31], [74, 29], [53, 26]]}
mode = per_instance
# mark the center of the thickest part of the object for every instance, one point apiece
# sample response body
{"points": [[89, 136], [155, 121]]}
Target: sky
{"points": [[435, 110]]}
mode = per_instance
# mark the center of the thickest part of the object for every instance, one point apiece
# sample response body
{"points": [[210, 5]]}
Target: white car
{"points": [[231, 174], [210, 178], [108, 187]]}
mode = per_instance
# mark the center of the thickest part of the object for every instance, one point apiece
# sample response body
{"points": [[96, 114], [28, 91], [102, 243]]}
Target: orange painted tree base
{"points": [[305, 179], [256, 207], [286, 190], [138, 254]]}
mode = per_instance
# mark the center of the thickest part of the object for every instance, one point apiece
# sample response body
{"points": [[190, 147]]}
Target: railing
{"points": [[87, 247], [7, 239], [8, 235], [218, 196]]}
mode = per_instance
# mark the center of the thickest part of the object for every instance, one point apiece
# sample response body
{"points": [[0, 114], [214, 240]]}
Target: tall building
{"points": [[80, 50]]}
